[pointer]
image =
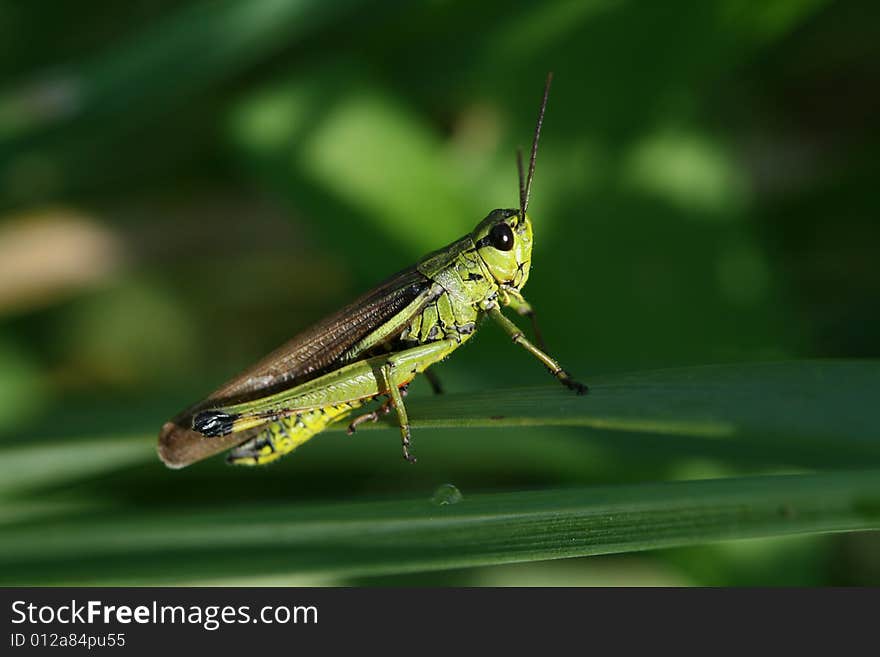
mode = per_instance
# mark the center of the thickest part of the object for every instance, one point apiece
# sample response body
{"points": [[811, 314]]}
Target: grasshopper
{"points": [[374, 347]]}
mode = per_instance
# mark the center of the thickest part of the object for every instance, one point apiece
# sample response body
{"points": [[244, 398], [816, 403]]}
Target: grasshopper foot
{"points": [[409, 458], [571, 384]]}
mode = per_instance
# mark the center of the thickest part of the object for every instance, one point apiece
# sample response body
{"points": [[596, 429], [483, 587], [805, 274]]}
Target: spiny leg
{"points": [[555, 368], [373, 416], [397, 400]]}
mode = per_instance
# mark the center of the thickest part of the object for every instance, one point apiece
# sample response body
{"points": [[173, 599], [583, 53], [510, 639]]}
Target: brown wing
{"points": [[310, 354]]}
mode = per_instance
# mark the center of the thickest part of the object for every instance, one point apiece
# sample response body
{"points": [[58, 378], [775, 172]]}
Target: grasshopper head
{"points": [[504, 242]]}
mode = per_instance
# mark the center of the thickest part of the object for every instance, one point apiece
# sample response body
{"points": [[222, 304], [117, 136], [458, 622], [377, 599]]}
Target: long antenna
{"points": [[525, 186], [523, 198]]}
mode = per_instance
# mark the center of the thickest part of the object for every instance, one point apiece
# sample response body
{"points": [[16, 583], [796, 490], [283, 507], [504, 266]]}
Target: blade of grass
{"points": [[813, 413], [112, 545], [828, 403], [24, 467]]}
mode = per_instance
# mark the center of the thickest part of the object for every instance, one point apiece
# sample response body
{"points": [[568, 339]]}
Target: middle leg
{"points": [[374, 415]]}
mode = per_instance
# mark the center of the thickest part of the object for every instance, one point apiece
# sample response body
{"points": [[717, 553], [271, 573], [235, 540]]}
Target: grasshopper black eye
{"points": [[501, 237]]}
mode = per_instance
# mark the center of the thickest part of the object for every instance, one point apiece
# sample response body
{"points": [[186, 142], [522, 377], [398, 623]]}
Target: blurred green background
{"points": [[185, 185]]}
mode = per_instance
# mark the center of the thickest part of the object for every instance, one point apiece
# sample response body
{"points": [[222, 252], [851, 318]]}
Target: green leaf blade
{"points": [[377, 537]]}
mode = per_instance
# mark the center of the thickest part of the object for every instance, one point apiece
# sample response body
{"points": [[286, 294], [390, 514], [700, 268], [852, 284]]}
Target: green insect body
{"points": [[286, 434], [372, 348], [297, 415]]}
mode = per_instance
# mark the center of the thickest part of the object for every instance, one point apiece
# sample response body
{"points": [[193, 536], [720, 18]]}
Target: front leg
{"points": [[517, 336]]}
